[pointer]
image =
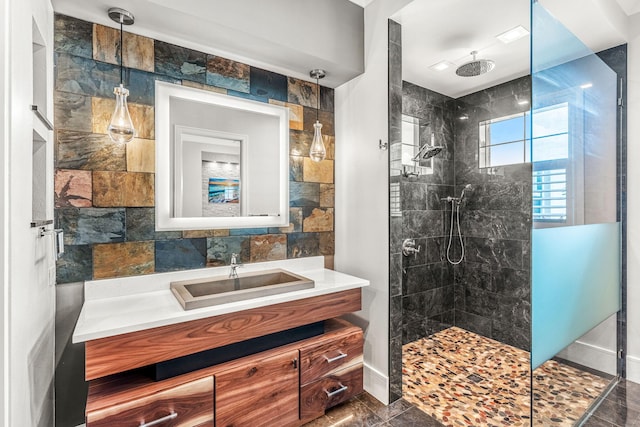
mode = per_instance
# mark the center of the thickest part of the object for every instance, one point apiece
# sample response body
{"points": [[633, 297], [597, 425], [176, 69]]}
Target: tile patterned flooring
{"points": [[572, 391]]}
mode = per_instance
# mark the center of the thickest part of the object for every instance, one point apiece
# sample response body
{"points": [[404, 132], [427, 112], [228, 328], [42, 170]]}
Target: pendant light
{"points": [[317, 152], [121, 128]]}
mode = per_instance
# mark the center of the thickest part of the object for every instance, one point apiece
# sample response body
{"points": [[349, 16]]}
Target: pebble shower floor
{"points": [[464, 379]]}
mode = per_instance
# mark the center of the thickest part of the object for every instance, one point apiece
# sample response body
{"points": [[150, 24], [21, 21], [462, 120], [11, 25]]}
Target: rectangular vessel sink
{"points": [[221, 289]]}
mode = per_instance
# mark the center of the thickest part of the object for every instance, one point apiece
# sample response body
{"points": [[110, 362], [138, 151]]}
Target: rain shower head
{"points": [[428, 151], [475, 67]]}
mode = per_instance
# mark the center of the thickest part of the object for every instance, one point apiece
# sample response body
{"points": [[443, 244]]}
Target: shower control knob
{"points": [[409, 248]]}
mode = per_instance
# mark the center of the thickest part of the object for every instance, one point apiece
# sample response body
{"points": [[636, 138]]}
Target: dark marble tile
{"points": [[88, 151], [497, 224], [617, 414], [395, 313], [422, 278], [413, 417], [419, 258], [180, 254], [385, 412], [512, 283], [73, 36], [266, 84], [83, 226], [437, 248], [508, 334], [413, 196], [228, 74], [495, 252], [356, 412], [395, 235], [413, 308], [303, 245], [395, 32], [626, 394], [435, 194], [594, 421], [395, 363], [475, 275], [395, 275], [493, 196], [474, 323], [422, 224], [303, 194], [75, 264], [179, 62], [85, 76], [219, 249]]}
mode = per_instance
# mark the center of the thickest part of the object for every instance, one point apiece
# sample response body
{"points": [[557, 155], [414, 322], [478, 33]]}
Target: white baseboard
{"points": [[591, 356], [633, 369], [376, 384]]}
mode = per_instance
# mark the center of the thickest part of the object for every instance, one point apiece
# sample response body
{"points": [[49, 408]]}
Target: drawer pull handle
{"points": [[171, 416], [333, 359], [342, 388]]}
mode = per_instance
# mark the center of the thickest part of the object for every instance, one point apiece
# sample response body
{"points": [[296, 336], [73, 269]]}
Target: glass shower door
{"points": [[576, 244]]}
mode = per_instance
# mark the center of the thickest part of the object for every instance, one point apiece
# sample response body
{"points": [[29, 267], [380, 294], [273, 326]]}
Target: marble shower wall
{"points": [[104, 192], [492, 284]]}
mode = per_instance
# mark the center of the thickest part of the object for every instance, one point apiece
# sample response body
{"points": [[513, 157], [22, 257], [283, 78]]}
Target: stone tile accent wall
{"points": [[104, 192]]}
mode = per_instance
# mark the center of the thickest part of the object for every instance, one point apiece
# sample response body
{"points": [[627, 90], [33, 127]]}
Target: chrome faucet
{"points": [[233, 273]]}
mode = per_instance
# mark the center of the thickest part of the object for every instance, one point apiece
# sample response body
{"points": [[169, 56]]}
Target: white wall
{"points": [[362, 197], [29, 316], [633, 205]]}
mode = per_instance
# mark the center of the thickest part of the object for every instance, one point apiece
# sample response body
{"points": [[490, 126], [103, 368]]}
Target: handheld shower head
{"points": [[466, 187]]}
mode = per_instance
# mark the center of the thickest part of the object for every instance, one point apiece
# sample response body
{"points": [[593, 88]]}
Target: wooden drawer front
{"points": [[191, 402], [263, 393], [329, 391], [316, 361]]}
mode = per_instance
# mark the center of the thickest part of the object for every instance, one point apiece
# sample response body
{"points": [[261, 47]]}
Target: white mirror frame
{"points": [[164, 174]]}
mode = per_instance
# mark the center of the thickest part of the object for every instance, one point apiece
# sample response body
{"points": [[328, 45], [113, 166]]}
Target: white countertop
{"points": [[130, 304]]}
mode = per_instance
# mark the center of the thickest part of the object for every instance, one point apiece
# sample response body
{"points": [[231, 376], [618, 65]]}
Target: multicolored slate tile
{"points": [[180, 254], [84, 76], [142, 116], [126, 189], [179, 62], [304, 194], [88, 151], [141, 155], [269, 85], [75, 264], [228, 74], [303, 245], [84, 226], [296, 113], [72, 111], [327, 195], [317, 219], [318, 171], [123, 259], [219, 249], [141, 225], [72, 36], [268, 247], [72, 188], [325, 118], [302, 92], [138, 50]]}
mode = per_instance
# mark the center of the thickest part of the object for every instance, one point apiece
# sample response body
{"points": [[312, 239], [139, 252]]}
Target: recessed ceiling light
{"points": [[440, 66], [513, 34], [586, 86]]}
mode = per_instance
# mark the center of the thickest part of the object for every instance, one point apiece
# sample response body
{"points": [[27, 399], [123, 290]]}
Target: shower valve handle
{"points": [[409, 248]]}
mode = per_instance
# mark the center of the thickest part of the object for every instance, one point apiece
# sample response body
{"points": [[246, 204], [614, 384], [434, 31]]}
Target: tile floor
{"points": [[564, 392]]}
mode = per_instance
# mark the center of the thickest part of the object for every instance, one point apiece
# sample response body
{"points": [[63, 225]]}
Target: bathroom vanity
{"points": [[132, 325]]}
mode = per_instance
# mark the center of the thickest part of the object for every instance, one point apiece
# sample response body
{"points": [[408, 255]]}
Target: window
{"points": [[505, 141], [415, 133]]}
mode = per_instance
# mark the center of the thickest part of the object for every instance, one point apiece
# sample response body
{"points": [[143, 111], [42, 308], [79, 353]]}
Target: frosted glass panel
{"points": [[576, 279]]}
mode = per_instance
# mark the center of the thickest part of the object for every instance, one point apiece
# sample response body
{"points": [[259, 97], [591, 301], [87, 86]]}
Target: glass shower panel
{"points": [[575, 242]]}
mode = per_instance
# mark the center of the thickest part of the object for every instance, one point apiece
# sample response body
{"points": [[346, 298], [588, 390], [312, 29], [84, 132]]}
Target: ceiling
{"points": [[278, 35], [448, 30]]}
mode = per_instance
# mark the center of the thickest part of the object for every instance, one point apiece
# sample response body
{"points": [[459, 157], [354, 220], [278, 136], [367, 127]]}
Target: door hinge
{"points": [[620, 102], [620, 354]]}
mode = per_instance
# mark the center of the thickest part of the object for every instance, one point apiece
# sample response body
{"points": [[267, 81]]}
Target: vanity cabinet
{"points": [[265, 393], [285, 386]]}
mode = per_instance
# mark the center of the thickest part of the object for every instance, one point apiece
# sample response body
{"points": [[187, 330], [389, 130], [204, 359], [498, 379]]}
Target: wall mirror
{"points": [[221, 161]]}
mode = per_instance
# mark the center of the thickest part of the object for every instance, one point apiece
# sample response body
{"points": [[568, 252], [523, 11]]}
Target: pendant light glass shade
{"points": [[317, 151], [121, 127]]}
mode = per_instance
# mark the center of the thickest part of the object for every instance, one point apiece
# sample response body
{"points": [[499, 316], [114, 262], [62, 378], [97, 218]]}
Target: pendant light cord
{"points": [[318, 99], [121, 50]]}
